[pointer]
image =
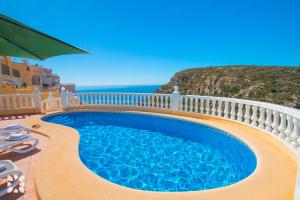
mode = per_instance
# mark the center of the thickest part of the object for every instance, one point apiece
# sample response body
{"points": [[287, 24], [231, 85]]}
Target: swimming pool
{"points": [[153, 153]]}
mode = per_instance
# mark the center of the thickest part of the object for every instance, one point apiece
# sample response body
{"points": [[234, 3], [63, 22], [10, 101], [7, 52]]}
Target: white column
{"points": [[269, 120], [213, 110], [289, 129], [201, 105], [261, 119], [240, 112], [226, 110], [207, 106], [254, 116], [282, 125], [295, 134], [247, 114], [275, 123], [232, 112], [220, 113]]}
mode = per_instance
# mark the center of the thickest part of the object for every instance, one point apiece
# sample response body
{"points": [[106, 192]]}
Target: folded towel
{"points": [[17, 136], [2, 167], [13, 126]]}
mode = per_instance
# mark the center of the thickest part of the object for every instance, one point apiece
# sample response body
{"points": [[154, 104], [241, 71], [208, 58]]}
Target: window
{"points": [[16, 73], [5, 69], [36, 80]]}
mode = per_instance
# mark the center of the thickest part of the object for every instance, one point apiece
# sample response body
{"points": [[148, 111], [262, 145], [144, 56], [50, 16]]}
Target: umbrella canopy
{"points": [[19, 40]]}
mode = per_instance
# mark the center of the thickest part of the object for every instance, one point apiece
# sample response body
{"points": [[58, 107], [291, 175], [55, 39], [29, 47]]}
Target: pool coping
{"points": [[68, 178]]}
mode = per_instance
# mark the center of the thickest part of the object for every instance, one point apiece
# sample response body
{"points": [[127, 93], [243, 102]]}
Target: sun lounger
{"points": [[13, 128], [11, 142], [8, 168]]}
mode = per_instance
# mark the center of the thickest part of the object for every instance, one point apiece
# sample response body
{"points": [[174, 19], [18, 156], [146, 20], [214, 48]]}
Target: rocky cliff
{"points": [[279, 85]]}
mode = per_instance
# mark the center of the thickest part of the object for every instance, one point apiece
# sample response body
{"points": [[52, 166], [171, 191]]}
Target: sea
{"points": [[130, 88]]}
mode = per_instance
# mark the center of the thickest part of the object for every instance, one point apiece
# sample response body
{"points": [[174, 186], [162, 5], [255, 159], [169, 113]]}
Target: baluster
{"points": [[132, 100], [220, 111], [282, 125], [191, 104], [152, 101], [7, 103], [207, 107], [196, 108], [202, 105], [148, 101], [92, 99], [161, 102], [14, 104], [141, 100], [95, 99], [289, 129], [254, 116], [168, 102], [226, 110], [180, 103], [261, 120], [26, 101], [32, 102], [232, 111], [247, 114], [275, 123], [295, 134], [213, 110], [186, 101], [268, 122], [240, 112], [99, 99]]}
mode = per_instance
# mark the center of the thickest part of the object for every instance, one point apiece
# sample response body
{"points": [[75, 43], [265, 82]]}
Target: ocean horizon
{"points": [[118, 88]]}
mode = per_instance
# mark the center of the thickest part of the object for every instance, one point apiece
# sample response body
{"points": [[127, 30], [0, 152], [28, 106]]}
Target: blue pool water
{"points": [[154, 153]]}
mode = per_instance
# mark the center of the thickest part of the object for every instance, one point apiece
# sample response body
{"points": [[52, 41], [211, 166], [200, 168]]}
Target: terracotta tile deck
{"points": [[26, 163]]}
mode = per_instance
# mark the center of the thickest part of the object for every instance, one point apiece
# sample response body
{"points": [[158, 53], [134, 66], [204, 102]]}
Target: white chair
{"points": [[13, 128], [10, 144], [9, 169]]}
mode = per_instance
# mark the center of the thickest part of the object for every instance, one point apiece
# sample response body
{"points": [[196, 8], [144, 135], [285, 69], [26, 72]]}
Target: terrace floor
{"points": [[25, 162]]}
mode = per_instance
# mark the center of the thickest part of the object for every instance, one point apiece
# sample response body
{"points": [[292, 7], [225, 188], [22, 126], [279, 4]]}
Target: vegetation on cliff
{"points": [[274, 84]]}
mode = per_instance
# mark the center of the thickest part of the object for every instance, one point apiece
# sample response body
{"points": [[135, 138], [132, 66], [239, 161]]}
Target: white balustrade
{"points": [[279, 121], [17, 102]]}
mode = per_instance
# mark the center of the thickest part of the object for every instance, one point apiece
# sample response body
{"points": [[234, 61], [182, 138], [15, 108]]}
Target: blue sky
{"points": [[147, 41]]}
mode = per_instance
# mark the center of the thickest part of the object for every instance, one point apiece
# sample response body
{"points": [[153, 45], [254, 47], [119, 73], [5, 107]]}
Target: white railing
{"points": [[140, 100], [17, 101], [278, 121]]}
